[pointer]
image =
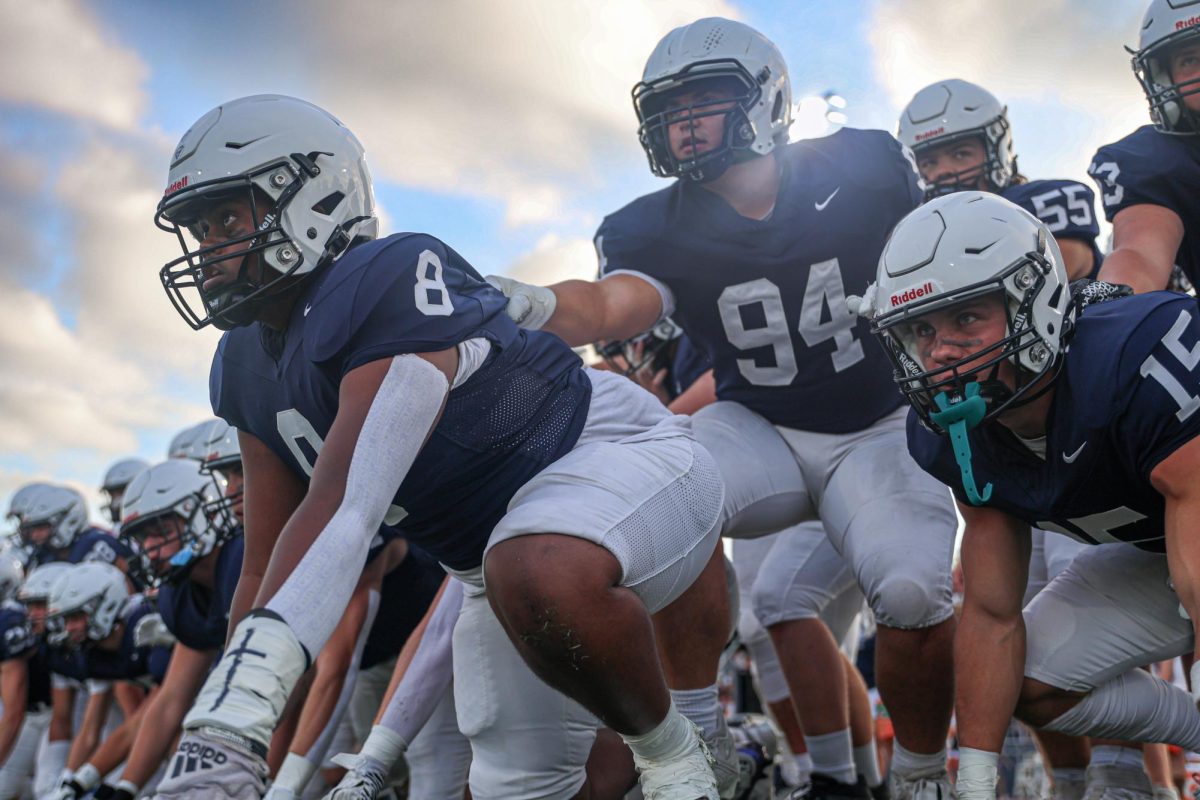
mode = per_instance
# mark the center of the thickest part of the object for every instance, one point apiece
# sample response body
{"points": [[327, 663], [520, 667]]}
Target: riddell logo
{"points": [[1187, 23], [930, 134], [193, 756], [177, 185], [912, 294]]}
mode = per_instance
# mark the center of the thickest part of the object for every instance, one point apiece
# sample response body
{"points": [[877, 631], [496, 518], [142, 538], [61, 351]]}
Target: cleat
{"points": [[688, 777], [924, 787], [726, 762], [824, 787]]}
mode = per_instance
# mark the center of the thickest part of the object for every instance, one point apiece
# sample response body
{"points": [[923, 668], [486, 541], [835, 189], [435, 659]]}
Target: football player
{"points": [[98, 620], [1070, 414], [961, 138], [752, 251], [192, 540], [1150, 180], [116, 478], [25, 692], [381, 380], [55, 525]]}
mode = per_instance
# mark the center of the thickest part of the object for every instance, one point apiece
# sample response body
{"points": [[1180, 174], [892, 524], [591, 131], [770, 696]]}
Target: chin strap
{"points": [[958, 415]]}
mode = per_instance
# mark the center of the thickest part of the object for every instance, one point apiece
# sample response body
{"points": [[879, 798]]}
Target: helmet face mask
{"points": [[737, 63], [967, 179], [305, 179], [94, 592], [1152, 66], [623, 355]]}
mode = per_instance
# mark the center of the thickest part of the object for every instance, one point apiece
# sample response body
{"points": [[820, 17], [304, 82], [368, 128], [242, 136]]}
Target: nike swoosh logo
{"points": [[307, 308], [821, 206], [1070, 459]]}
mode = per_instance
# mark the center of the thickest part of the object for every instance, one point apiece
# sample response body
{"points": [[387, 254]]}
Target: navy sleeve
{"points": [[1138, 170], [96, 545], [157, 662], [621, 240], [900, 167], [1067, 207], [1160, 368], [414, 295], [15, 639]]}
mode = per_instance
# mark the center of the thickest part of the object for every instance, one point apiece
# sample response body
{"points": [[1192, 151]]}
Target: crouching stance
{"points": [[380, 382], [1073, 412]]}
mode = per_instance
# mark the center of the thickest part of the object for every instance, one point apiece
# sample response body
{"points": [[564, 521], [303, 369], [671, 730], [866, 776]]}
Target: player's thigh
{"points": [[1111, 610], [439, 757], [1037, 578], [1060, 551], [527, 740], [801, 574], [652, 501], [894, 525], [764, 489]]}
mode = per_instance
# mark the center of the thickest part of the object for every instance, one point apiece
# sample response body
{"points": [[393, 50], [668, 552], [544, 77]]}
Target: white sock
{"points": [[1135, 707], [701, 707], [833, 755], [866, 761], [1111, 755], [908, 764], [669, 740], [384, 745], [797, 770]]}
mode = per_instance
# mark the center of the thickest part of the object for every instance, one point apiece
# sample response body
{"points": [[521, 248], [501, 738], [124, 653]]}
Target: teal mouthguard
{"points": [[957, 416]]}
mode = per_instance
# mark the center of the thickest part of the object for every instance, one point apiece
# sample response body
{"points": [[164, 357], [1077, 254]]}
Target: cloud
{"points": [[555, 259], [55, 55], [525, 101], [21, 207], [1059, 65]]}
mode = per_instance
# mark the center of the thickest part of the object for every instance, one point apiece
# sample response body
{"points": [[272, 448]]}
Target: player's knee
{"points": [[906, 602], [775, 604]]}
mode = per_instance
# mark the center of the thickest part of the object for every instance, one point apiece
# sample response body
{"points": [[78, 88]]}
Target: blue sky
{"points": [[505, 129]]}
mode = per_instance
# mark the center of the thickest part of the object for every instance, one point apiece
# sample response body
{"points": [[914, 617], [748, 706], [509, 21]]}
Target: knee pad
{"points": [[901, 601]]}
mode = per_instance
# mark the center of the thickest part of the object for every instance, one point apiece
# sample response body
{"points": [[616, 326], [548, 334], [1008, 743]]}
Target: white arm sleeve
{"points": [[426, 679], [313, 598]]}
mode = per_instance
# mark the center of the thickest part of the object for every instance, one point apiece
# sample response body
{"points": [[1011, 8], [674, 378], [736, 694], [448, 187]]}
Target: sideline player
{"points": [[1150, 180], [409, 395], [752, 252], [961, 138], [1098, 441]]}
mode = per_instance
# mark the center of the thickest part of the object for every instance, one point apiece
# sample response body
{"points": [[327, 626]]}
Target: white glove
{"points": [[152, 632], [529, 306]]}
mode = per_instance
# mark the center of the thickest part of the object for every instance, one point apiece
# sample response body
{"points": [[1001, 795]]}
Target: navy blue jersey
{"points": [[196, 615], [94, 544], [1127, 397], [17, 641], [687, 366], [1155, 168], [1067, 207], [128, 662], [765, 300], [519, 411], [404, 598]]}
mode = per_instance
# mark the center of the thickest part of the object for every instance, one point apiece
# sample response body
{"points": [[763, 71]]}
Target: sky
{"points": [[505, 129]]}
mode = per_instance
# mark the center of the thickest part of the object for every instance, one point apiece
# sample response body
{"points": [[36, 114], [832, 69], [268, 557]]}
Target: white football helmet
{"points": [[218, 446], [714, 49], [60, 507], [187, 443], [12, 575], [621, 354], [23, 498], [176, 488], [954, 109], [305, 174], [39, 582], [1167, 23], [116, 478], [94, 588], [957, 248]]}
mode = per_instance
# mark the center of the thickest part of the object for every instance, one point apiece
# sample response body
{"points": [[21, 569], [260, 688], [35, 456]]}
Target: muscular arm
{"points": [[112, 751], [272, 493], [617, 307], [62, 706], [165, 710], [989, 648], [1078, 258], [1176, 478], [1146, 239], [14, 691], [95, 712]]}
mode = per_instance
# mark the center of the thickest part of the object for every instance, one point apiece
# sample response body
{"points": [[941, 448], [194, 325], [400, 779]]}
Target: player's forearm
{"points": [[163, 715], [1132, 268], [15, 695], [579, 315], [243, 599], [989, 666], [10, 728], [113, 750], [701, 393]]}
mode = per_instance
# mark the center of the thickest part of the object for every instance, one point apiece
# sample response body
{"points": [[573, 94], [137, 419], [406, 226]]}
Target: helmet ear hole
{"points": [[777, 109], [327, 204]]}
